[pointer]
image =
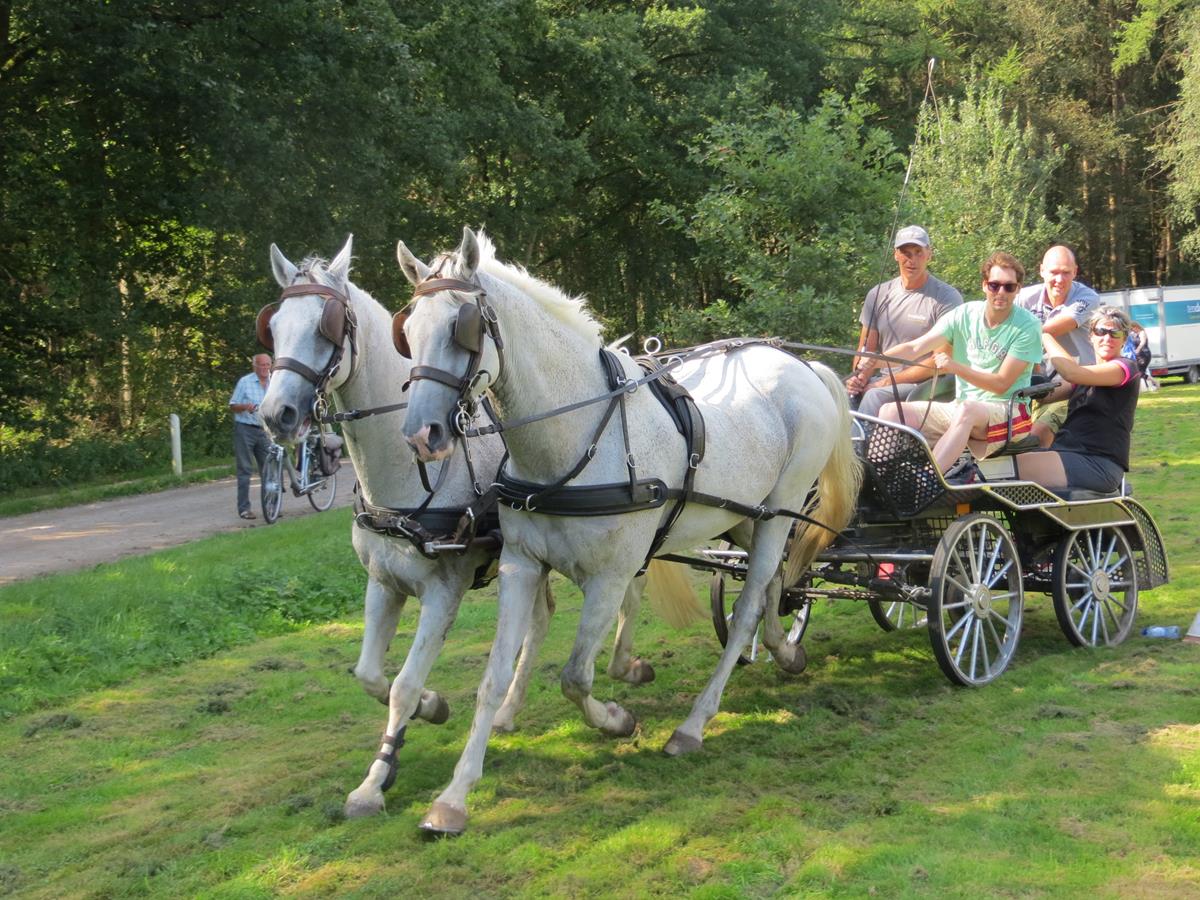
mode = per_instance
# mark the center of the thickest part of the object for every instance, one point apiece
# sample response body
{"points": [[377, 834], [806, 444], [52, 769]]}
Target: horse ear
{"points": [[340, 267], [414, 270], [285, 272], [468, 251]]}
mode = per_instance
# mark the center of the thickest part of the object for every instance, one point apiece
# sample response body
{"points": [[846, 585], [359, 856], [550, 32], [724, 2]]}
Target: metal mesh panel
{"points": [[1021, 494], [904, 470], [1152, 566]]}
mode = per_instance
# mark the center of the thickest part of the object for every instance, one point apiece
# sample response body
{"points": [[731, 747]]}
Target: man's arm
{"points": [[997, 382], [1059, 325], [919, 348]]}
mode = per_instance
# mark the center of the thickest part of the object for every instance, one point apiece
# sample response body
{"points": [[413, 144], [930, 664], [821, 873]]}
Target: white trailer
{"points": [[1171, 317]]}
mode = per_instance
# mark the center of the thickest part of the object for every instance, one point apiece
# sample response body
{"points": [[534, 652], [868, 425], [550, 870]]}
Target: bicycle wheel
{"points": [[272, 485], [324, 488]]}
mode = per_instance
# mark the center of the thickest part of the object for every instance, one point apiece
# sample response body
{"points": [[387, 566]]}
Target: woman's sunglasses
{"points": [[1101, 331], [997, 287]]}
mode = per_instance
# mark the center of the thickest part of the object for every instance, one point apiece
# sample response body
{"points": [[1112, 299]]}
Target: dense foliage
{"points": [[696, 168]]}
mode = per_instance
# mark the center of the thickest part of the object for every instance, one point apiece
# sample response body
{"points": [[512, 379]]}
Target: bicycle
{"points": [[306, 478]]}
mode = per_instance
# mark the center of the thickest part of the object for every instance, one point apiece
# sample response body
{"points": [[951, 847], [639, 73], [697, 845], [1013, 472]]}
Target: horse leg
{"points": [[543, 609], [381, 613], [624, 666], [407, 699], [762, 566], [520, 579], [602, 597], [789, 657]]}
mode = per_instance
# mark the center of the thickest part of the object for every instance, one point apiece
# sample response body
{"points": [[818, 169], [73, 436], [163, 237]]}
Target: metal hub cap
{"points": [[981, 599], [1101, 586]]}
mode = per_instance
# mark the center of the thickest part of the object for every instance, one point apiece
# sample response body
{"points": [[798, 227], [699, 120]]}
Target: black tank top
{"points": [[1100, 419]]}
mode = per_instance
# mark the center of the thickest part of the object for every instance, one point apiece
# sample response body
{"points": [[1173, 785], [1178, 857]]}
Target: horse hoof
{"points": [[681, 744], [440, 711], [640, 672], [621, 722], [798, 662], [444, 820], [503, 725], [363, 803]]}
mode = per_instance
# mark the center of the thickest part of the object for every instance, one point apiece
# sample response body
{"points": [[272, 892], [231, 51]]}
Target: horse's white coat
{"points": [[387, 477], [774, 425]]}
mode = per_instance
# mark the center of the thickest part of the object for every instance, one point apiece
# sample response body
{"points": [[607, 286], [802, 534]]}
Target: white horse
{"points": [[368, 377], [775, 427]]}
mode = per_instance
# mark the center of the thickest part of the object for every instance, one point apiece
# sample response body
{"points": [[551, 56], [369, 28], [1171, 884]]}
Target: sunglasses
{"points": [[1101, 331], [1006, 287]]}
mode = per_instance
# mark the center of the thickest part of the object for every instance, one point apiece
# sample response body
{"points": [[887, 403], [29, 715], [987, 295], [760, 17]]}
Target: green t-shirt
{"points": [[985, 349]]}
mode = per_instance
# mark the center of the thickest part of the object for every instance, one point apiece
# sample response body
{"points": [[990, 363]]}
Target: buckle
{"points": [[694, 460]]}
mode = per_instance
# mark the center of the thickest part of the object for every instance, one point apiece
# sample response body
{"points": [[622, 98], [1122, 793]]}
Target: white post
{"points": [[176, 446]]}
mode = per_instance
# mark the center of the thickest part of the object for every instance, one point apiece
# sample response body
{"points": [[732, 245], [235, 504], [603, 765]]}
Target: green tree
{"points": [[981, 182], [1179, 150], [789, 230]]}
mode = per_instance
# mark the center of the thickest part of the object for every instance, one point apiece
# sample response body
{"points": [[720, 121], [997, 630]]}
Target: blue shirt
{"points": [[1081, 300], [248, 390]]}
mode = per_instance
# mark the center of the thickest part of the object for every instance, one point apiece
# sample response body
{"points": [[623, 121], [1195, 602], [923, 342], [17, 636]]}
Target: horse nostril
{"points": [[288, 417], [435, 436]]}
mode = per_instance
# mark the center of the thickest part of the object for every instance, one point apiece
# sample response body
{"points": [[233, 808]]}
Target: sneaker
{"points": [[968, 473], [247, 514]]}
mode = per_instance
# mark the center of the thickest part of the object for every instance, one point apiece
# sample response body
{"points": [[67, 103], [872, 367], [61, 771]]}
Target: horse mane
{"points": [[571, 311], [317, 268]]}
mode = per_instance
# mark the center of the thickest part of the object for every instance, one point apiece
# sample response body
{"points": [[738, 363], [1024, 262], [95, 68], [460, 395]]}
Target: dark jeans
{"points": [[250, 445]]}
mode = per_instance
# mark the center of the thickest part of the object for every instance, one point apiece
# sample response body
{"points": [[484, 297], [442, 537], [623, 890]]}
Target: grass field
{"points": [[184, 725]]}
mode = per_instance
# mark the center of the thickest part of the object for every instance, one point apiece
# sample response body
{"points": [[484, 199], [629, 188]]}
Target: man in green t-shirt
{"points": [[990, 346]]}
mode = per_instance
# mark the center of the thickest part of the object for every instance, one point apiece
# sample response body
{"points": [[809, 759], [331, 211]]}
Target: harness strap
{"points": [[690, 423], [294, 365], [353, 415], [628, 387]]}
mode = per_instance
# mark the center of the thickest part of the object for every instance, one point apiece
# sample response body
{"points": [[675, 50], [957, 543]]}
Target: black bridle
{"points": [[338, 325], [476, 318]]}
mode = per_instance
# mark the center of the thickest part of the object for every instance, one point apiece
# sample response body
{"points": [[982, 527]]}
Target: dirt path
{"points": [[77, 537]]}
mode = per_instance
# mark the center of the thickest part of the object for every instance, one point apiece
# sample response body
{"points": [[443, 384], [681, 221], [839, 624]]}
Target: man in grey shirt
{"points": [[896, 312], [1063, 305]]}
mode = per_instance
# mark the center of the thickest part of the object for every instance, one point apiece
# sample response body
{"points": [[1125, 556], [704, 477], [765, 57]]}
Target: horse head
{"points": [[451, 334], [310, 331]]}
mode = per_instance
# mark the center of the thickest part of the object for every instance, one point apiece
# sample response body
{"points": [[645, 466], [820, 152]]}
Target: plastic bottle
{"points": [[1161, 631]]}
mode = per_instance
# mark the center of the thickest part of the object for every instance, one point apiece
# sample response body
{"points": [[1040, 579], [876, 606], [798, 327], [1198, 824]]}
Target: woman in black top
{"points": [[1091, 450]]}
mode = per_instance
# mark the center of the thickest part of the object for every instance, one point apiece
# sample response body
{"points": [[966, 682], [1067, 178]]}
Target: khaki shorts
{"points": [[941, 415], [1051, 415]]}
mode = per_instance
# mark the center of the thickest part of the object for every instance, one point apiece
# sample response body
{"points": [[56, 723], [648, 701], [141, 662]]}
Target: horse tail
{"points": [[671, 594], [837, 487]]}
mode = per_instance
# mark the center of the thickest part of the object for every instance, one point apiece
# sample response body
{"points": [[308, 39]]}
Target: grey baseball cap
{"points": [[912, 234]]}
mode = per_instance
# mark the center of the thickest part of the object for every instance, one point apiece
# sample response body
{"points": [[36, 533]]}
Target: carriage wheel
{"points": [[976, 600], [893, 615], [1095, 587], [723, 592]]}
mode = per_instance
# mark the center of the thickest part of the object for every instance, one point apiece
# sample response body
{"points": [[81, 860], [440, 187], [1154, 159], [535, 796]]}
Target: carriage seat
{"points": [[1070, 493]]}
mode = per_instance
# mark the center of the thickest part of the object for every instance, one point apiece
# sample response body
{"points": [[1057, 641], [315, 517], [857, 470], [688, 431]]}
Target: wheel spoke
{"points": [[963, 623], [1087, 596], [1118, 566], [987, 661], [1003, 573], [991, 564], [995, 636], [962, 566], [962, 588]]}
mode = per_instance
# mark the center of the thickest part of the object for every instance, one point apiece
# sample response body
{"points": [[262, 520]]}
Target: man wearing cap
{"points": [[896, 312], [1064, 307]]}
